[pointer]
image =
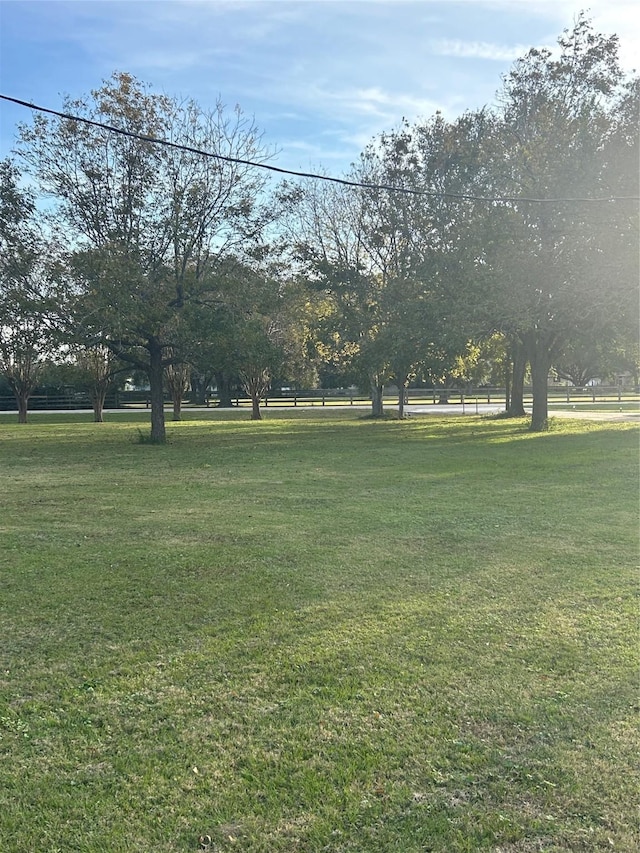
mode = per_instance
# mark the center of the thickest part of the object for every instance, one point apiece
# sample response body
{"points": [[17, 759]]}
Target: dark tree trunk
{"points": [[377, 404], [540, 357], [177, 406], [22, 392], [256, 415], [443, 395], [515, 407], [199, 386], [156, 391], [22, 399], [223, 382]]}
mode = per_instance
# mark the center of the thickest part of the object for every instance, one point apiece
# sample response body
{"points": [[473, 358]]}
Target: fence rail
{"points": [[47, 402], [489, 395], [340, 397]]}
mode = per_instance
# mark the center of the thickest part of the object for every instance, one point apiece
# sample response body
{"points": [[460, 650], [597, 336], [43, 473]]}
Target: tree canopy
{"points": [[515, 225]]}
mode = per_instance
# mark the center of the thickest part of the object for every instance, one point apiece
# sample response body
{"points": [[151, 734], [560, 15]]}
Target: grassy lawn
{"points": [[318, 633]]}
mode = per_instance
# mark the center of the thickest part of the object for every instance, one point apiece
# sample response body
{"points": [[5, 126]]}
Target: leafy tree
{"points": [[177, 379], [584, 359], [256, 364], [330, 239], [97, 368], [23, 348], [416, 246], [269, 333], [554, 270], [249, 327], [27, 291], [150, 222], [212, 352]]}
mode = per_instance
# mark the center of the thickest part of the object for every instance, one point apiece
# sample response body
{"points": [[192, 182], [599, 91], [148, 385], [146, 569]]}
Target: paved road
{"points": [[467, 408], [631, 417], [471, 408]]}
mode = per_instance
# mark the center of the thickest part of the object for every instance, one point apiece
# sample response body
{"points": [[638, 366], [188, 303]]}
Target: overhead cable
{"points": [[315, 176]]}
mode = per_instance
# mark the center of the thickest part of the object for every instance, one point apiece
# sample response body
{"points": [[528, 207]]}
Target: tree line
{"points": [[511, 231]]}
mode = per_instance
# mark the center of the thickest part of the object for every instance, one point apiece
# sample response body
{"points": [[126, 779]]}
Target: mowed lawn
{"points": [[318, 633]]}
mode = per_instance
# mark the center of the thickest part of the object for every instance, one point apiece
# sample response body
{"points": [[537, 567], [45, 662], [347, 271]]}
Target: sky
{"points": [[320, 78]]}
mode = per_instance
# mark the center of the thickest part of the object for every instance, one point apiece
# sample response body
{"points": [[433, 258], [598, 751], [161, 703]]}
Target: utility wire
{"points": [[344, 181]]}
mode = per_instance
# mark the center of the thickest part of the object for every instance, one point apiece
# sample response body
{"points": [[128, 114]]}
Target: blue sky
{"points": [[321, 77]]}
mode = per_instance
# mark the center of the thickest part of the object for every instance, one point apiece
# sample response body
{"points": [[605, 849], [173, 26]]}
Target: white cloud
{"points": [[300, 155], [621, 17], [478, 50], [373, 101]]}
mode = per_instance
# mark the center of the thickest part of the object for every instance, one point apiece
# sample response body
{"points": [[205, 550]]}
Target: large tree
{"points": [[329, 233], [419, 241], [29, 299], [557, 264], [149, 222], [256, 330], [96, 368]]}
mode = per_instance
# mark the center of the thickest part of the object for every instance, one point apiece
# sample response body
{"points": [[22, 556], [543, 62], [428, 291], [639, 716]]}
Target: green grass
{"points": [[318, 633]]}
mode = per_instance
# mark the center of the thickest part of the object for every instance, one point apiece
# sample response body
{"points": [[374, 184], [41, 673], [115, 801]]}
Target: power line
{"points": [[315, 176]]}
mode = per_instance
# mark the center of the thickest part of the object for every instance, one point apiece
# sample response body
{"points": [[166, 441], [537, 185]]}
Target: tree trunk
{"points": [[515, 408], [22, 399], [256, 415], [443, 396], [98, 396], [256, 384], [507, 384], [223, 382], [402, 394], [177, 389], [199, 385], [540, 361], [377, 404], [156, 392], [177, 407]]}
